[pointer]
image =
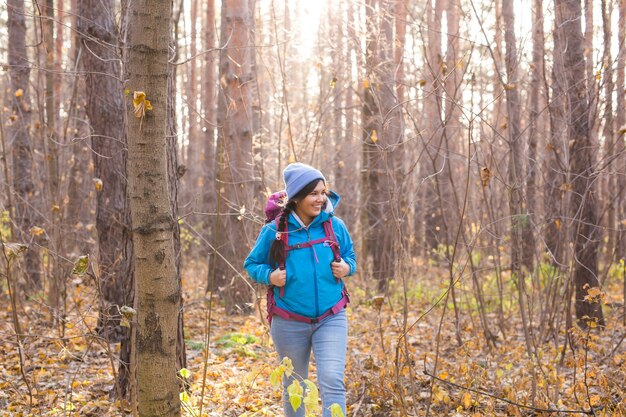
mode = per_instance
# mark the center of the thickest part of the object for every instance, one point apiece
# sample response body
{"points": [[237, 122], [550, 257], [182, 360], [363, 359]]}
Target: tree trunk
{"points": [[535, 117], [430, 216], [585, 232], [382, 122], [19, 135], [610, 142], [158, 290], [55, 246], [555, 161], [620, 122], [105, 109], [174, 172], [235, 172]]}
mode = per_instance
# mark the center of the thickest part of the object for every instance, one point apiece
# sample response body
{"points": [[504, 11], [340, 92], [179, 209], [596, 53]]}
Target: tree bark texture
{"points": [[105, 109], [535, 119], [382, 121], [19, 135], [620, 122], [585, 231], [235, 166], [555, 162], [158, 290], [430, 212]]}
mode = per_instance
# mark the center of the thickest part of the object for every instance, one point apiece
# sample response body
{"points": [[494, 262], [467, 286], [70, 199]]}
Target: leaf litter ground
{"points": [[401, 361]]}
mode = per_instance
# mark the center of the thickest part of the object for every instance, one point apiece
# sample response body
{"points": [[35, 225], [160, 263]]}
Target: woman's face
{"points": [[311, 205]]}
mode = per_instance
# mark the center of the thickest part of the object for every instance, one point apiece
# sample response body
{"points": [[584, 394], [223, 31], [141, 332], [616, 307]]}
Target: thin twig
{"points": [[487, 394]]}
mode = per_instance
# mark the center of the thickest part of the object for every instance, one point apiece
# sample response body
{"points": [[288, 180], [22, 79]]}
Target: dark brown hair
{"points": [[277, 250]]}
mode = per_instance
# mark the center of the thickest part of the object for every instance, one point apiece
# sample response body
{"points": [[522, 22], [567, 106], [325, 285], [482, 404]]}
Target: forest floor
{"points": [[398, 364]]}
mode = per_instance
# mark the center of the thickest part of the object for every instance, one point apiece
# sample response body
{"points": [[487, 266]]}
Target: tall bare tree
{"points": [[235, 166], [610, 138], [382, 136], [19, 134], [158, 289], [620, 122], [535, 118], [585, 230], [105, 109]]}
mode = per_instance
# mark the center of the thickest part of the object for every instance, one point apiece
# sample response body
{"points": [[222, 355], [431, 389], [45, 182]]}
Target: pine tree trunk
{"points": [[158, 290], [235, 174], [105, 109], [382, 121], [585, 231], [18, 133]]}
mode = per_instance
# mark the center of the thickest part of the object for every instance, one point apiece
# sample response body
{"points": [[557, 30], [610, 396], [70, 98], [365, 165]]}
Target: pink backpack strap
{"points": [[332, 239], [283, 237]]}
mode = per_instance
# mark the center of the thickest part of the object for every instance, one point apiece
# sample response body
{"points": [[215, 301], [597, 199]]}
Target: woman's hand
{"points": [[278, 277], [340, 269]]}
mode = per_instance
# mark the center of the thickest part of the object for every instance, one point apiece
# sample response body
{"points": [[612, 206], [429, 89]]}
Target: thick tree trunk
{"points": [[105, 109], [235, 173], [585, 230], [19, 135], [158, 288]]}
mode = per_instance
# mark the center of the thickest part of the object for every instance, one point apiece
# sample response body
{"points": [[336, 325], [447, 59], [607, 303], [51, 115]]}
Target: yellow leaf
{"points": [[291, 158], [295, 392], [19, 92], [466, 400], [366, 84], [557, 223], [333, 82], [81, 265], [336, 411], [311, 400], [510, 86], [184, 397], [36, 231], [485, 176], [276, 376], [97, 182], [374, 136], [140, 104], [185, 373], [288, 366]]}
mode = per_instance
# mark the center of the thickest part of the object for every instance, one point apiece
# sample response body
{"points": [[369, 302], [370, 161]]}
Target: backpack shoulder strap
{"points": [[332, 239]]}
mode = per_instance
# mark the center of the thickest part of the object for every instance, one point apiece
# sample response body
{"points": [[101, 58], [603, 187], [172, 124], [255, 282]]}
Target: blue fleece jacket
{"points": [[311, 289]]}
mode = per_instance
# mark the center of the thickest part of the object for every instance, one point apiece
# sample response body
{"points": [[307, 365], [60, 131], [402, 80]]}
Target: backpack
{"points": [[273, 207]]}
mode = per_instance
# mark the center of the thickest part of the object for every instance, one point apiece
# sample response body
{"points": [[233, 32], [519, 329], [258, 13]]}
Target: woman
{"points": [[309, 291]]}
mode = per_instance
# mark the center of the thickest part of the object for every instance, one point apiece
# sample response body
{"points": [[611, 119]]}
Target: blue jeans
{"points": [[328, 339]]}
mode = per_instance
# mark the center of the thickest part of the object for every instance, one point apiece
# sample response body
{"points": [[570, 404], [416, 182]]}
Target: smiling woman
{"points": [[304, 257]]}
